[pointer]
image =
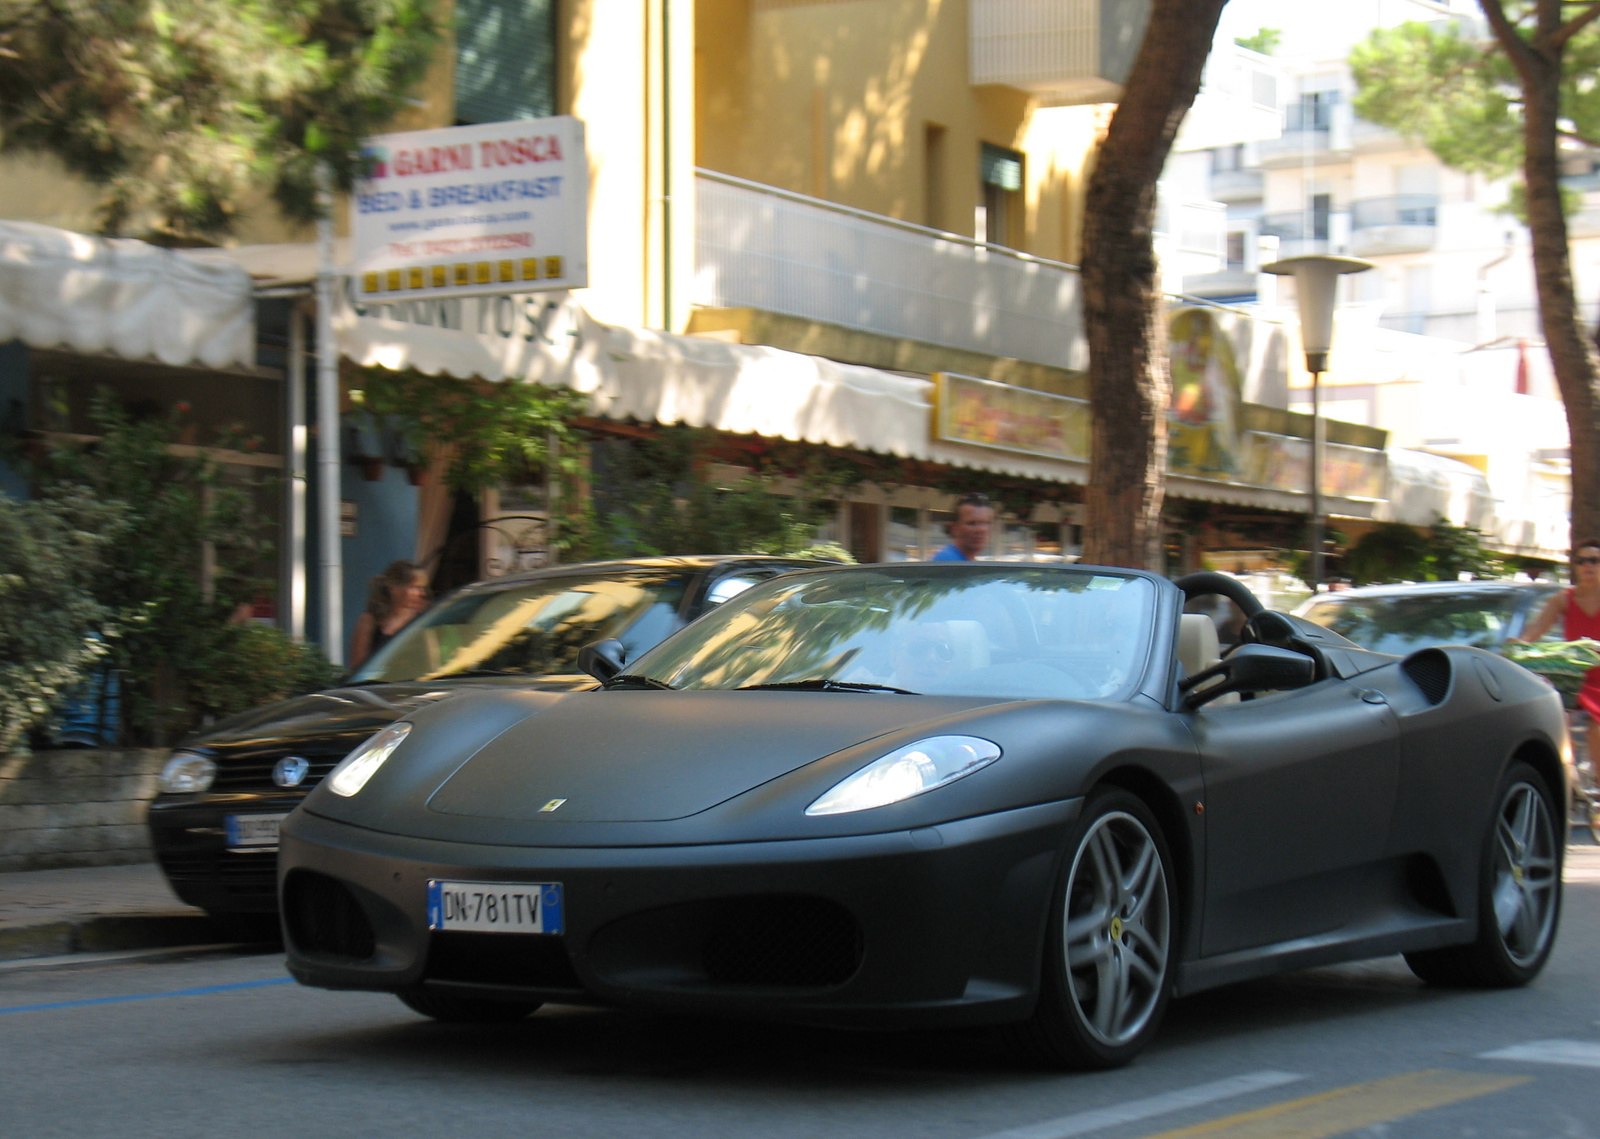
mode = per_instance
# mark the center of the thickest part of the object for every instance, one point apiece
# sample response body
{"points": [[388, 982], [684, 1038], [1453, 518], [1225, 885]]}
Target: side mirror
{"points": [[603, 659], [1250, 668]]}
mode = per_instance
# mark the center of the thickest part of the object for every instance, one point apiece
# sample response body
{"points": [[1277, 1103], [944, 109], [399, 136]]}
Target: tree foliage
{"points": [[185, 110], [1394, 552], [491, 433], [664, 495], [1263, 40], [51, 552], [1440, 87]]}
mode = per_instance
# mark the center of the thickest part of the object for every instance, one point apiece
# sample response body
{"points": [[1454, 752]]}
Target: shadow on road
{"points": [[607, 1043]]}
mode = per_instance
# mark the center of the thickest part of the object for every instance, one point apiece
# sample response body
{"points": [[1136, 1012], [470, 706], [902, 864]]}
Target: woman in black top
{"points": [[394, 597]]}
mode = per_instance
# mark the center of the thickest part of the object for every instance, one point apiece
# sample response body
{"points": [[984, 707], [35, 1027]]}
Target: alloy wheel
{"points": [[1118, 927], [1525, 868]]}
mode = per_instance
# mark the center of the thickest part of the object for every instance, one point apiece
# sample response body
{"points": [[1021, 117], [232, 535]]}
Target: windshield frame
{"points": [[661, 664]]}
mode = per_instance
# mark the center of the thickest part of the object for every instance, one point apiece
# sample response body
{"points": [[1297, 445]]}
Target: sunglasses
{"points": [[1586, 561]]}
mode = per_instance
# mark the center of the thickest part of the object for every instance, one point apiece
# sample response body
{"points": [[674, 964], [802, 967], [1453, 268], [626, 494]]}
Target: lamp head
{"points": [[1315, 280]]}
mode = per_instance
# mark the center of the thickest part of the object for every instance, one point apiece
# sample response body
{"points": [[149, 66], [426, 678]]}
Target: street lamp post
{"points": [[1316, 280]]}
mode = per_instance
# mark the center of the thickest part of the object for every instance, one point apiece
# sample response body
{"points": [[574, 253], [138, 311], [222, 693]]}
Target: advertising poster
{"points": [[989, 414], [1204, 419], [466, 211]]}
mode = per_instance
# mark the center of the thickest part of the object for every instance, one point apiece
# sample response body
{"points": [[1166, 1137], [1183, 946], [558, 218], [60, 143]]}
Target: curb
{"points": [[106, 933]]}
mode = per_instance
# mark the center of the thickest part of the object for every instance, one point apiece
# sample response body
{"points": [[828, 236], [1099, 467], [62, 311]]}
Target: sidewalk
{"points": [[45, 913]]}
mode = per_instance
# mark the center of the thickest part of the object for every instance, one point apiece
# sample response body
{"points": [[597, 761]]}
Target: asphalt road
{"points": [[224, 1046]]}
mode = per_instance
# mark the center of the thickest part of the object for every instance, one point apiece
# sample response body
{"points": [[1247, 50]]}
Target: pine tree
{"points": [[183, 111]]}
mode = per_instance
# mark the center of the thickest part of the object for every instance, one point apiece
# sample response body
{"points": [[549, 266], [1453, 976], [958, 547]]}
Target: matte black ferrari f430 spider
{"points": [[944, 794]]}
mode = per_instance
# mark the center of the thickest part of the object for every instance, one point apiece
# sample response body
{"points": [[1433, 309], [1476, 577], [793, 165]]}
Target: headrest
{"points": [[1198, 647]]}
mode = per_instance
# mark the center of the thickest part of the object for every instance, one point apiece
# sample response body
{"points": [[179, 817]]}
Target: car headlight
{"points": [[907, 771], [187, 772], [356, 768]]}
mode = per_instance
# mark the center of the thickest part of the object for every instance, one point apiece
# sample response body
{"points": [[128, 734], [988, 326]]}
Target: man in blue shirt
{"points": [[969, 533]]}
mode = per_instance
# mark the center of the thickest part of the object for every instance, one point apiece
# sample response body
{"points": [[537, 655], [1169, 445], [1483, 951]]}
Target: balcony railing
{"points": [[760, 247], [1402, 209]]}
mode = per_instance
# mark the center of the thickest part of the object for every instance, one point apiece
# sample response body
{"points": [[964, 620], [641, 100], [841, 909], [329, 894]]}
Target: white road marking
{"points": [[1579, 1053], [1134, 1110]]}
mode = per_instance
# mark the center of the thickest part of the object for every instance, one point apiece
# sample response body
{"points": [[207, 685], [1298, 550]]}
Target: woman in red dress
{"points": [[1578, 609]]}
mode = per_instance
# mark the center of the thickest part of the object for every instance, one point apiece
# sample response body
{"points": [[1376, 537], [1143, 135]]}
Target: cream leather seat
{"points": [[1199, 649]]}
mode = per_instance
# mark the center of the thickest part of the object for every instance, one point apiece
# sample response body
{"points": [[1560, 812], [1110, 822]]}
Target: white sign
{"points": [[466, 211]]}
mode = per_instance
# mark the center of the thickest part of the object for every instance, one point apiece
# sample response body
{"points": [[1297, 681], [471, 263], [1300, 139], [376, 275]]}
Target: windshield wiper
{"points": [[468, 672], [642, 681], [823, 684]]}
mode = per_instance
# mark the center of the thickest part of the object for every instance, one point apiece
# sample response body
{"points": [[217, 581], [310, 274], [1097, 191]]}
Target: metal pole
{"points": [[1318, 445], [330, 543], [295, 488]]}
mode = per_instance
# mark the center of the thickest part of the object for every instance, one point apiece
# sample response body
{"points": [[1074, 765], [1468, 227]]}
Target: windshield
{"points": [[531, 628], [1403, 623], [1006, 631]]}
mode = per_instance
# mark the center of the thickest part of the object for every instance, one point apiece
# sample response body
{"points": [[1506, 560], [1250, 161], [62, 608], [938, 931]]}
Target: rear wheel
{"points": [[1519, 893], [455, 1009], [1108, 958]]}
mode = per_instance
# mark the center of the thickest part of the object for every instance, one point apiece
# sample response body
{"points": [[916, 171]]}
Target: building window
{"points": [[1227, 159], [1321, 210], [505, 60], [933, 176], [1000, 171], [1236, 240], [1314, 111]]}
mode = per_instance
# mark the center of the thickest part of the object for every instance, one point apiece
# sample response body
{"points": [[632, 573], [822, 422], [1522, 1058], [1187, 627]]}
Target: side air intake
{"points": [[1430, 671]]}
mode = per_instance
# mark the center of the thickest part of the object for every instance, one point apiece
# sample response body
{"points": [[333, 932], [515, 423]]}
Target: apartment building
{"points": [[1440, 343]]}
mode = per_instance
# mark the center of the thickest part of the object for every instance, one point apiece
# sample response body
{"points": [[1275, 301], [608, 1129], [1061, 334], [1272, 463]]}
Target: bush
{"points": [[172, 622], [253, 664], [51, 558]]}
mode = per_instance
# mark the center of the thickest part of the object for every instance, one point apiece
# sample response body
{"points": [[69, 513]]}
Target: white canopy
{"points": [[60, 289], [631, 373]]}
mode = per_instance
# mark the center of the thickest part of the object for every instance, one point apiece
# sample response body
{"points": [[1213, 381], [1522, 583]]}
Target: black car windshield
{"points": [[1401, 623], [1007, 631], [530, 628]]}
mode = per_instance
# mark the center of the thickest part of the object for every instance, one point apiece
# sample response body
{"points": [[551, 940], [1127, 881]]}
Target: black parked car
{"points": [[214, 825]]}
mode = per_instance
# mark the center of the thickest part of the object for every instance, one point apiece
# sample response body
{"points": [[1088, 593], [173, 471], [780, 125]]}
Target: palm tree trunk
{"points": [[1123, 309]]}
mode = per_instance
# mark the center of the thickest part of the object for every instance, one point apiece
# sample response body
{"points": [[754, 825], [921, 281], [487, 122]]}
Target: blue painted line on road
{"points": [[203, 990]]}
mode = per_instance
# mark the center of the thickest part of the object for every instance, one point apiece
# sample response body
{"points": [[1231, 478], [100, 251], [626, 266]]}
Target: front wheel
{"points": [[1519, 893], [1108, 958], [453, 1009]]}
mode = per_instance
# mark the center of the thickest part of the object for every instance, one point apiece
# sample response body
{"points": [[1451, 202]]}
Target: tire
{"points": [[1519, 893], [453, 1009], [1112, 940]]}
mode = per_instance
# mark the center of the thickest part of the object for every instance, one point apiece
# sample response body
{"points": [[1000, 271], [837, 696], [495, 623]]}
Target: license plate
{"points": [[494, 907], [254, 832]]}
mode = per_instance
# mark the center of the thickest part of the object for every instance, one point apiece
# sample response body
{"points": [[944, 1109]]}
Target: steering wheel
{"points": [[1262, 625], [1205, 582]]}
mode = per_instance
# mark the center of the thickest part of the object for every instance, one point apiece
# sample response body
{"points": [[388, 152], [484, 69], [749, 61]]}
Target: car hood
{"points": [[659, 756], [340, 718]]}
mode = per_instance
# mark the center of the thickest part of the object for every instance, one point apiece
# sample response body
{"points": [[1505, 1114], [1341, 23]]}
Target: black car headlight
{"points": [[907, 771], [187, 773]]}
